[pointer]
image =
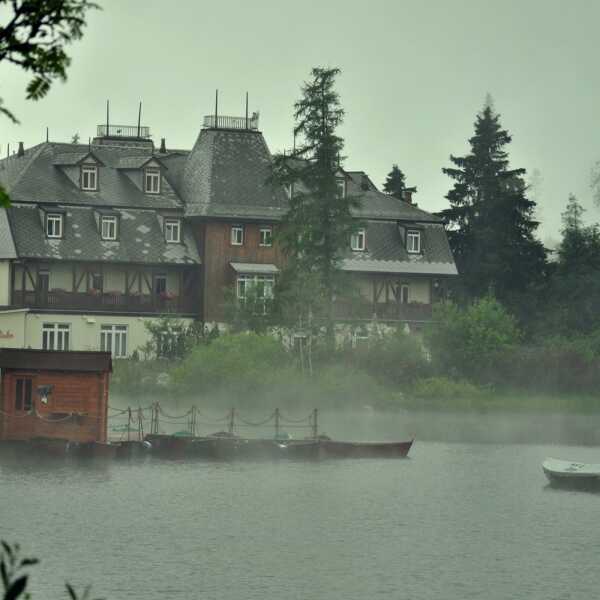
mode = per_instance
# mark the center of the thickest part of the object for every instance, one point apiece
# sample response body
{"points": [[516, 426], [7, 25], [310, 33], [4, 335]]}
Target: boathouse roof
{"points": [[51, 360]]}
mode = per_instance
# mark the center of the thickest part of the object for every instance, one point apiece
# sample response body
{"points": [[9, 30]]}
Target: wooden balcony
{"points": [[105, 302], [391, 311]]}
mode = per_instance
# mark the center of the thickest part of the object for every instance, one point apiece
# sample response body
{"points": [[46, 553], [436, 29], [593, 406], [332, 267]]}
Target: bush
{"points": [[398, 359], [239, 363], [469, 343]]}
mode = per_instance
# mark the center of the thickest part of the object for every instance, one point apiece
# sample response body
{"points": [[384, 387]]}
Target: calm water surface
{"points": [[454, 521]]}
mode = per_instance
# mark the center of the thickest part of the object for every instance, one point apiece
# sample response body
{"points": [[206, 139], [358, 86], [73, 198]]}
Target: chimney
{"points": [[407, 194], [21, 150], [163, 147]]}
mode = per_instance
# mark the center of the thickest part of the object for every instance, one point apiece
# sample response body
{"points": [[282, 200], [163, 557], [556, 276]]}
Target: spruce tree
{"points": [[574, 291], [491, 222], [317, 227], [394, 183]]}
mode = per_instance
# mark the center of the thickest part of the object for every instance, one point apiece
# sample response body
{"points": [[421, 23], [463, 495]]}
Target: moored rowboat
{"points": [[334, 449], [566, 473]]}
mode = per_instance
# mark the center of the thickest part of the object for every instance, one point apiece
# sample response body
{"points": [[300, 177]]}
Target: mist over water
{"points": [[368, 424], [454, 521]]}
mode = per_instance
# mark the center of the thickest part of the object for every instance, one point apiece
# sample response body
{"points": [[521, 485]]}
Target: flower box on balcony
{"points": [[167, 296]]}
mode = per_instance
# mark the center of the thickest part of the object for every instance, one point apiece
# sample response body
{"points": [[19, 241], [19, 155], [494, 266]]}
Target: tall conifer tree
{"points": [[491, 222], [394, 183], [318, 225]]}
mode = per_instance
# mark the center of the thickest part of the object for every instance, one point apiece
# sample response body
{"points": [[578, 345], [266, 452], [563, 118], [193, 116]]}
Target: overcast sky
{"points": [[414, 75]]}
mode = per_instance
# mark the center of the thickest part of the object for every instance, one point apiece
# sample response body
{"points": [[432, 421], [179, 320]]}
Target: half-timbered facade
{"points": [[102, 237]]}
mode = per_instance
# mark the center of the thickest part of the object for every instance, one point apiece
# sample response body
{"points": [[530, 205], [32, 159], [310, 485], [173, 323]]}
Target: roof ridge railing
{"points": [[226, 122], [126, 131]]}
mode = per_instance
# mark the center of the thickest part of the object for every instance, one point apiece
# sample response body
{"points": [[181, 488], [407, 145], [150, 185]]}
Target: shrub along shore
{"points": [[472, 359]]}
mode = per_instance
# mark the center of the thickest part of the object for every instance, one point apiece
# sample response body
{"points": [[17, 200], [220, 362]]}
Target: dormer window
{"points": [[108, 228], [340, 182], [237, 235], [89, 178], [357, 240], [152, 180], [54, 225], [413, 242], [173, 231]]}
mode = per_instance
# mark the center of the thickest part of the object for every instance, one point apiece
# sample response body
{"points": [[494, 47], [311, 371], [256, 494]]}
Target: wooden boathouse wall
{"points": [[77, 407]]}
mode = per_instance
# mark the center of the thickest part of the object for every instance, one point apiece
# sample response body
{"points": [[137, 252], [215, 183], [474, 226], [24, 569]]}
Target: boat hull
{"points": [[94, 450], [334, 449], [574, 475]]}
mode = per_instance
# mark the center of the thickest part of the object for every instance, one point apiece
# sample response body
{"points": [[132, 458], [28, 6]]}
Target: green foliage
{"points": [[171, 338], [574, 290], [4, 199], [238, 363], [469, 343], [317, 227], [491, 219], [14, 577], [398, 359], [253, 313], [394, 184], [34, 39]]}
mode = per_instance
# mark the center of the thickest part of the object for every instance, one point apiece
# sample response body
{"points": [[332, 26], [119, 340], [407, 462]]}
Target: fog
{"points": [[365, 423]]}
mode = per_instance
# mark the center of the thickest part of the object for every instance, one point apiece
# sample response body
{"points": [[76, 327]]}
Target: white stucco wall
{"points": [[23, 329]]}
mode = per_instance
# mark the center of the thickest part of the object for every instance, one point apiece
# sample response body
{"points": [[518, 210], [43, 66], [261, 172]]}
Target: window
{"points": [[152, 180], [55, 336], [266, 236], [289, 190], [160, 284], [237, 235], [261, 286], [113, 339], [54, 225], [97, 282], [109, 228], [172, 230], [341, 187], [23, 396], [357, 240], [89, 178], [413, 242]]}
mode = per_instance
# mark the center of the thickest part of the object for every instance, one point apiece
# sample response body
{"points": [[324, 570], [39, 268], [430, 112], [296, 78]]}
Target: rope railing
{"points": [[232, 420]]}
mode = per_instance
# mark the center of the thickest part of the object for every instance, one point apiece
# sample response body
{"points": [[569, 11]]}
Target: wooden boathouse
{"points": [[59, 395]]}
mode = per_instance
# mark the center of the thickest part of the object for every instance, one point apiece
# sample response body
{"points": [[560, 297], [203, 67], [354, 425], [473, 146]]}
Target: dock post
{"points": [[140, 425], [231, 420], [128, 423], [276, 423]]}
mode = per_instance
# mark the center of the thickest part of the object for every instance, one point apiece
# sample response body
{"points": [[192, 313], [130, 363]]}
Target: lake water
{"points": [[454, 521]]}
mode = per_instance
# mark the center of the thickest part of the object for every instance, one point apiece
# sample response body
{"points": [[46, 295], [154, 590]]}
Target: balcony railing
{"points": [[224, 122], [391, 311], [125, 131], [109, 302]]}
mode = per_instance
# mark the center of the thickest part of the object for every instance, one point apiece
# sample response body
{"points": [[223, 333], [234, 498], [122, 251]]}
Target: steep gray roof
{"points": [[141, 238], [37, 177], [7, 245], [226, 174], [386, 253], [377, 205]]}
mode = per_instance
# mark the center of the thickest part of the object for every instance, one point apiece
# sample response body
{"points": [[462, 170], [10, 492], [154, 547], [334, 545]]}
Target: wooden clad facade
{"points": [[75, 409], [217, 254]]}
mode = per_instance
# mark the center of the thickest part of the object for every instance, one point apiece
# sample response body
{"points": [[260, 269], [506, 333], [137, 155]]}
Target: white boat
{"points": [[571, 474]]}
